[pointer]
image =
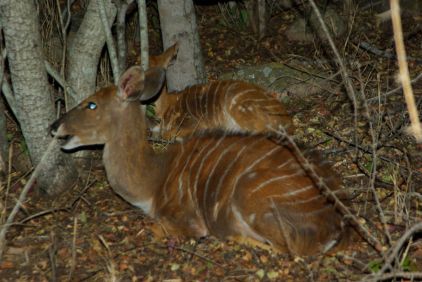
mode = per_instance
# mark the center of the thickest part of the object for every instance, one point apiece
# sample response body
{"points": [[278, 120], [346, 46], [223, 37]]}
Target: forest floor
{"points": [[91, 234]]}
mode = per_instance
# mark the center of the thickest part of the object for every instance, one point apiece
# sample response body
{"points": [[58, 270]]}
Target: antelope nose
{"points": [[54, 126]]}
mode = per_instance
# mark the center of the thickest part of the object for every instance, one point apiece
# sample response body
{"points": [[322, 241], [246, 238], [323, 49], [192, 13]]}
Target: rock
{"points": [[304, 30], [282, 78]]}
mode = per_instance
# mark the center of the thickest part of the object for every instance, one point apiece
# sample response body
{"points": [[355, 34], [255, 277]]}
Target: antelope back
{"points": [[230, 186], [232, 106], [248, 186]]}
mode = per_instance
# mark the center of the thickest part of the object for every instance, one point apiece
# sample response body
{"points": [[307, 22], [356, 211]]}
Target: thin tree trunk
{"points": [[143, 33], [121, 33], [3, 140], [32, 92], [178, 24], [85, 51], [257, 16]]}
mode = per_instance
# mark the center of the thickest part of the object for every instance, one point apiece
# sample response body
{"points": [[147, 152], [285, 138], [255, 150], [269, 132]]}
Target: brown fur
{"points": [[246, 188], [235, 106]]}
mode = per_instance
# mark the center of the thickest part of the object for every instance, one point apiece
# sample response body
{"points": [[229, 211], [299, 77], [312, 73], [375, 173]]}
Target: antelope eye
{"points": [[91, 106]]}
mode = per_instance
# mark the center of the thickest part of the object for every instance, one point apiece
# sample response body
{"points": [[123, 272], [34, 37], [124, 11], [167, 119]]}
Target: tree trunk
{"points": [[32, 92], [85, 51], [257, 16], [178, 24]]}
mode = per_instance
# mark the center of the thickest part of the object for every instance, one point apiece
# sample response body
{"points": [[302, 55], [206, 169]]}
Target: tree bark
{"points": [[32, 92], [178, 24], [85, 51]]}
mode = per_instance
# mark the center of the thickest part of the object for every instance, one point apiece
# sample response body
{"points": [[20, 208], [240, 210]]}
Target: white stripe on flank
{"points": [[215, 94], [274, 179], [254, 101], [228, 90], [220, 182], [210, 175], [187, 108], [252, 165], [243, 227], [295, 192], [180, 180], [192, 173], [315, 212], [195, 185], [240, 94], [299, 202], [179, 157], [285, 163]]}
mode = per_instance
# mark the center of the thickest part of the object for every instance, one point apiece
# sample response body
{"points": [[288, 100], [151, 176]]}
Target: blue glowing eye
{"points": [[91, 106]]}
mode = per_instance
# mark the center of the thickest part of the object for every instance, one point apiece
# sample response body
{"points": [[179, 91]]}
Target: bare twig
{"points": [[415, 128], [395, 90], [374, 146], [64, 37], [110, 42], [22, 197], [368, 151], [5, 87], [199, 256], [66, 11], [351, 93], [3, 130], [52, 250], [73, 262], [411, 276], [399, 245], [57, 77], [67, 208]]}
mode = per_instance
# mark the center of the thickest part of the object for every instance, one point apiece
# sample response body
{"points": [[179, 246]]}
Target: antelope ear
{"points": [[154, 81], [164, 59], [131, 83]]}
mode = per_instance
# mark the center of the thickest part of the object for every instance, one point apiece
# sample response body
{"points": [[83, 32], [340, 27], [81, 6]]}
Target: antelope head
{"points": [[93, 120]]}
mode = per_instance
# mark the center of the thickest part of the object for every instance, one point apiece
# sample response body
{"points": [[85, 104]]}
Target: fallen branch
{"points": [[386, 54], [326, 191], [22, 197]]}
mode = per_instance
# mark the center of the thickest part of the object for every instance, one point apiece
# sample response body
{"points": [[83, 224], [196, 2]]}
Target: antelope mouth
{"points": [[69, 142], [66, 141]]}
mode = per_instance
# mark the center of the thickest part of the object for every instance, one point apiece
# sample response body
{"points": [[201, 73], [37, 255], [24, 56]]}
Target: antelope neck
{"points": [[132, 167]]}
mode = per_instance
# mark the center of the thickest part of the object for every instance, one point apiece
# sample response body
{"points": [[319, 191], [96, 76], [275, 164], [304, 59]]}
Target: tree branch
{"points": [[143, 30], [52, 71], [110, 42]]}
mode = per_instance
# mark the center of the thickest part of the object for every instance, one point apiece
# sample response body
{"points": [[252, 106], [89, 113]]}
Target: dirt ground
{"points": [[90, 234]]}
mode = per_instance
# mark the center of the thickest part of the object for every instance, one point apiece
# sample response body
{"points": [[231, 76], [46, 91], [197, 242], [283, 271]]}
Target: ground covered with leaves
{"points": [[90, 234]]}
